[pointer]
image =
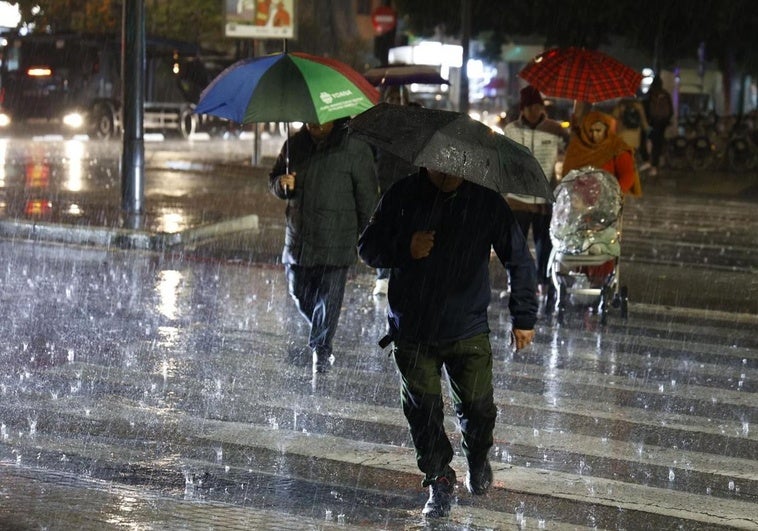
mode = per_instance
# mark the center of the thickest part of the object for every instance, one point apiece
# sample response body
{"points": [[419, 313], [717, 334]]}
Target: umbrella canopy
{"points": [[581, 74], [453, 143], [287, 87], [403, 75]]}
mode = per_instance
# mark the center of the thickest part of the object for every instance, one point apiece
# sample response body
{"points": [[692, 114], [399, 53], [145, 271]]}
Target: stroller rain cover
{"points": [[586, 213]]}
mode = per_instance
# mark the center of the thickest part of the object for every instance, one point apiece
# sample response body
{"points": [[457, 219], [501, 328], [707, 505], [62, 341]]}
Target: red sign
{"points": [[384, 19]]}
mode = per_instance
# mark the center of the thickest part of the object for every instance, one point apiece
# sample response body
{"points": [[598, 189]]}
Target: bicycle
{"points": [[676, 152], [694, 147], [741, 151]]}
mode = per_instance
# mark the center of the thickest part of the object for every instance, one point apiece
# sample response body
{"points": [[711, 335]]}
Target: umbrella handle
{"points": [[287, 147], [287, 131], [286, 155]]}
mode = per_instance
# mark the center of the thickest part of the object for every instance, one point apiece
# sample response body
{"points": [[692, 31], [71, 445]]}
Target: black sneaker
{"points": [[479, 478], [440, 495], [322, 361]]}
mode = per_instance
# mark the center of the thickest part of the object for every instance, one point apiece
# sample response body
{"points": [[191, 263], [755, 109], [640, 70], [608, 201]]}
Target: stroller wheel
{"points": [[624, 301], [604, 304], [562, 296], [560, 305]]}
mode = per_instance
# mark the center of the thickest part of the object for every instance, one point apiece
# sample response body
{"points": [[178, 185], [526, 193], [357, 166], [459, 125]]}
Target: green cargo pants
{"points": [[468, 364]]}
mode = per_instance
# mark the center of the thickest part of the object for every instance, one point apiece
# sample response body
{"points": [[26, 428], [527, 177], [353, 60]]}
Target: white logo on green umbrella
{"points": [[328, 98]]}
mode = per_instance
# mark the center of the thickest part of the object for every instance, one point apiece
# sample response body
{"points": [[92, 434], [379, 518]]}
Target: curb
{"points": [[124, 238]]}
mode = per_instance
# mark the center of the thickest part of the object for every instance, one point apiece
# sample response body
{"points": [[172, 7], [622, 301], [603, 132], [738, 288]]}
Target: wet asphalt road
{"points": [[163, 390]]}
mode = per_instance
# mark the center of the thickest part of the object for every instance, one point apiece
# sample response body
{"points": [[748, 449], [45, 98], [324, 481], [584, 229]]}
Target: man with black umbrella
{"points": [[436, 231]]}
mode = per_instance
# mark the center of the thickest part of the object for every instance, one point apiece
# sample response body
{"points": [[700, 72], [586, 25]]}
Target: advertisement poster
{"points": [[260, 19]]}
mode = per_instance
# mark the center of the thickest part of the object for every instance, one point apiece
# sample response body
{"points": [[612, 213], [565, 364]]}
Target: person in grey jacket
{"points": [[547, 140], [331, 189]]}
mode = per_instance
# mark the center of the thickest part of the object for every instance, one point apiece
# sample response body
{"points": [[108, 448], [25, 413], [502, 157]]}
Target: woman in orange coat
{"points": [[597, 145]]}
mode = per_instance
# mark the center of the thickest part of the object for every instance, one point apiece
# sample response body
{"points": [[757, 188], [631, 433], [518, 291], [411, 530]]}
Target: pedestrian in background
{"points": [[331, 190], [659, 109], [390, 168], [436, 232], [546, 139], [632, 127]]}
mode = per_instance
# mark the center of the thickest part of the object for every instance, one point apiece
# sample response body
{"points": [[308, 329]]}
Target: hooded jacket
{"points": [[335, 193], [444, 297], [611, 154]]}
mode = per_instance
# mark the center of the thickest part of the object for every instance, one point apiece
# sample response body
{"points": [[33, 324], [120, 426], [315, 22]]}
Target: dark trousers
{"points": [[468, 364], [318, 292], [657, 140], [643, 152], [539, 222]]}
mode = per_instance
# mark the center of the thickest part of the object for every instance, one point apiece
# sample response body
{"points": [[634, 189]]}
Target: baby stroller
{"points": [[585, 231]]}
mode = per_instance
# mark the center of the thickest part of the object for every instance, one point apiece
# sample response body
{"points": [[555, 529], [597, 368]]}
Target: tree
{"points": [[667, 30], [588, 23], [70, 15], [327, 27], [195, 21], [324, 27], [674, 29]]}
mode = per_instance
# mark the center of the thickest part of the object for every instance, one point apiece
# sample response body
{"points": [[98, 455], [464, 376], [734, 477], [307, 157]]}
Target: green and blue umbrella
{"points": [[287, 87]]}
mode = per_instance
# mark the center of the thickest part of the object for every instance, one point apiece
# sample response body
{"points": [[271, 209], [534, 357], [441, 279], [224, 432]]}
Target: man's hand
{"points": [[422, 243], [287, 181], [522, 338]]}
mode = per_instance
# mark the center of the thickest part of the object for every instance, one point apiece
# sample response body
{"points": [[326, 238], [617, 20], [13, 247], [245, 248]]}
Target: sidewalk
{"points": [[191, 194]]}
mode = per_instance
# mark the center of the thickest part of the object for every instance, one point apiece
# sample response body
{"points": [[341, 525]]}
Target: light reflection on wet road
{"points": [[178, 376], [160, 391]]}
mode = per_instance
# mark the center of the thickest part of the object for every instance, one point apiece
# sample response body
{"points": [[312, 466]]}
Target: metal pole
{"points": [[257, 126], [133, 100], [463, 99]]}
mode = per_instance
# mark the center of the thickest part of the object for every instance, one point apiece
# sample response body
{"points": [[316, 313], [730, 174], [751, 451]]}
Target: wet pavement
{"points": [[152, 377]]}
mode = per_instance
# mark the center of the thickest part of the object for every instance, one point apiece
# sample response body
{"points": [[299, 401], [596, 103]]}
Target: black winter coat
{"points": [[444, 297]]}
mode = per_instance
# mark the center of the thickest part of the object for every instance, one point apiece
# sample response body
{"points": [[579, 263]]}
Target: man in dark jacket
{"points": [[436, 232], [331, 189]]}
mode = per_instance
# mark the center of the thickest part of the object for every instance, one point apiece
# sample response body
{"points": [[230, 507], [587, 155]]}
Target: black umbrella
{"points": [[453, 143]]}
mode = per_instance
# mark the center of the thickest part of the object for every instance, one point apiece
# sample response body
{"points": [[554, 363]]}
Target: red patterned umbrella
{"points": [[581, 74]]}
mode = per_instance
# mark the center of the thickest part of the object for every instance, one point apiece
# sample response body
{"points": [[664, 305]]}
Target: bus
{"points": [[72, 82]]}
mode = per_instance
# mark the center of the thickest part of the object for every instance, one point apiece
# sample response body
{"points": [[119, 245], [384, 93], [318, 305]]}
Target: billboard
{"points": [[259, 19]]}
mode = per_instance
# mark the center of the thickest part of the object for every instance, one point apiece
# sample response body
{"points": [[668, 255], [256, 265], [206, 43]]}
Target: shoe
{"points": [[381, 287], [479, 478], [322, 361], [440, 495]]}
